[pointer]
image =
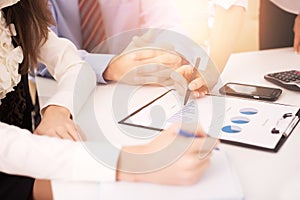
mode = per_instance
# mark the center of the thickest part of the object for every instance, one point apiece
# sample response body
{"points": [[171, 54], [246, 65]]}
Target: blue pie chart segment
{"points": [[249, 111], [231, 129], [240, 120]]}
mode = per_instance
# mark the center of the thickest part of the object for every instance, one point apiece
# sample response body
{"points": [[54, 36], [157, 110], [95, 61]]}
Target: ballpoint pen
{"points": [[188, 92]]}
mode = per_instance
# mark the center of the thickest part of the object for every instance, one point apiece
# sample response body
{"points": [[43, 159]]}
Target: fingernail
{"points": [[201, 94], [196, 94], [192, 86]]}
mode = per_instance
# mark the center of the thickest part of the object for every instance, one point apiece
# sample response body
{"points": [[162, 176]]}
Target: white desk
{"points": [[263, 175], [266, 175]]}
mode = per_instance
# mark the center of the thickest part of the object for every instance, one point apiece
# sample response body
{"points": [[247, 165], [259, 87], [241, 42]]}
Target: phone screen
{"points": [[248, 90], [251, 91]]}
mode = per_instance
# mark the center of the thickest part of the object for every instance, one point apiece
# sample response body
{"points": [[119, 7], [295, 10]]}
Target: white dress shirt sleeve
{"points": [[76, 79], [226, 4], [43, 157]]}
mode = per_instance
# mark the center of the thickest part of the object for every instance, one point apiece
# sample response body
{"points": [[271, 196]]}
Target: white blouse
{"points": [[10, 58], [43, 157], [76, 79]]}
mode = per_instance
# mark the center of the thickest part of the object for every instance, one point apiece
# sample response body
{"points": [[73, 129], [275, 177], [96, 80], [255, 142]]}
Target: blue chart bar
{"points": [[231, 129]]}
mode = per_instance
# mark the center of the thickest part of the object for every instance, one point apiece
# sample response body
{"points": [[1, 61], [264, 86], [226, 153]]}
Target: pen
{"points": [[188, 92], [187, 134]]}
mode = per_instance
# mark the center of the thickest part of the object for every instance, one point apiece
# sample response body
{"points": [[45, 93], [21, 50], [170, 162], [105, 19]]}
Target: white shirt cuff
{"points": [[99, 63]]}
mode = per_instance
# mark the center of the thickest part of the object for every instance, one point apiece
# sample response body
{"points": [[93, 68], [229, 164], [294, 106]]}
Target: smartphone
{"points": [[251, 91]]}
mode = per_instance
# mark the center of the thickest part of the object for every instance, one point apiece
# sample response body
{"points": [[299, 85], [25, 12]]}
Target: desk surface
{"points": [[266, 175], [263, 175]]}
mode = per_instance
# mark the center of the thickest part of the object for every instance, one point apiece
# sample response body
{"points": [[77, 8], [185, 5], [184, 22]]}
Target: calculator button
{"points": [[272, 75]]}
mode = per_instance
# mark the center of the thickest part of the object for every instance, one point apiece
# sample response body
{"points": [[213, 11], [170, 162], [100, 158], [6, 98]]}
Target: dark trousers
{"points": [[275, 26], [15, 187]]}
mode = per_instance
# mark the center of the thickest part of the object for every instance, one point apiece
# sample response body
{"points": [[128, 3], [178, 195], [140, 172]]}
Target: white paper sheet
{"points": [[218, 182]]}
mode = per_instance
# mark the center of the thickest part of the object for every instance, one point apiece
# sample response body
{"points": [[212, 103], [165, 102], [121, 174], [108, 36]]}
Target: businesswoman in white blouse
{"points": [[25, 40]]}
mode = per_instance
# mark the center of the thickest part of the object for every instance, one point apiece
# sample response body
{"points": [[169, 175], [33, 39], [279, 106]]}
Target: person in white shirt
{"points": [[18, 52], [23, 154]]}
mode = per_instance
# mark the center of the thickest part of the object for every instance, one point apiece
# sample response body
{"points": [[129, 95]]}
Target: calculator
{"points": [[287, 79]]}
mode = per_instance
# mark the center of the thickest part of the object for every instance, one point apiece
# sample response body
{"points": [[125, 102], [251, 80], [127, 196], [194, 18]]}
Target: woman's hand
{"points": [[184, 79], [57, 122], [185, 170]]}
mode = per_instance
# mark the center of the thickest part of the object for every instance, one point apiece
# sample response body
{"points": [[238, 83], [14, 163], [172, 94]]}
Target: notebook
{"points": [[219, 182]]}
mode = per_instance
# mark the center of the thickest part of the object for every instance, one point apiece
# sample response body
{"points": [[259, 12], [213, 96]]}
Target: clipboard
{"points": [[246, 123], [284, 131]]}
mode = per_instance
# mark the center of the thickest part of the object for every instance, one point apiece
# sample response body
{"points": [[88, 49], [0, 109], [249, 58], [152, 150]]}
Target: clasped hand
{"points": [[146, 62], [143, 62]]}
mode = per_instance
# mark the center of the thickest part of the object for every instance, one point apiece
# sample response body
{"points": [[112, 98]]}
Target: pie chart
{"points": [[249, 111], [231, 129], [240, 120]]}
